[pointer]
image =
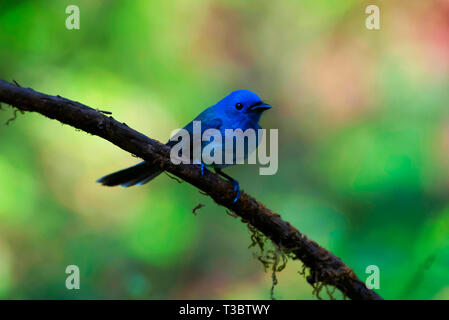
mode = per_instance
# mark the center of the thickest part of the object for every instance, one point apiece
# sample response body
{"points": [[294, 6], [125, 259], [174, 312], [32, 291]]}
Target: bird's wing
{"points": [[211, 124], [208, 121]]}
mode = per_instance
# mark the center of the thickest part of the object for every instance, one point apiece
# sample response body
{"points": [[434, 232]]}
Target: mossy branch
{"points": [[324, 267]]}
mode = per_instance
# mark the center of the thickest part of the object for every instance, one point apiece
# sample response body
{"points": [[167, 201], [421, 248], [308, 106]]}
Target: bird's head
{"points": [[243, 104]]}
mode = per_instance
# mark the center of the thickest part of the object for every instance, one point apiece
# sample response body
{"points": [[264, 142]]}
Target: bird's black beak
{"points": [[259, 107]]}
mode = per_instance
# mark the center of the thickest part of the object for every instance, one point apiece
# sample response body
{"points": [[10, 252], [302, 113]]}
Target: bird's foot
{"points": [[236, 185], [202, 167]]}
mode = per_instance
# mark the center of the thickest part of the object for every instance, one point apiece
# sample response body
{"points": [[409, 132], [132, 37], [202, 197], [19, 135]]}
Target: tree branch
{"points": [[325, 268]]}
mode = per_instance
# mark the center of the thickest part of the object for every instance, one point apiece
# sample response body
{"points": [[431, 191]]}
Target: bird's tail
{"points": [[139, 174]]}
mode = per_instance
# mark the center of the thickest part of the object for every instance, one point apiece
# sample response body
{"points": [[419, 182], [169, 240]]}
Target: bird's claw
{"points": [[202, 167], [236, 191], [234, 183]]}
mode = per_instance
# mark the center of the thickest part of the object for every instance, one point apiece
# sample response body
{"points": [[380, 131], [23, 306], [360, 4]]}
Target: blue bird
{"points": [[241, 109]]}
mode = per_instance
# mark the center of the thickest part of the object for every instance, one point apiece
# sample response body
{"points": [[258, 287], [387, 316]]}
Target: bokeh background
{"points": [[364, 143]]}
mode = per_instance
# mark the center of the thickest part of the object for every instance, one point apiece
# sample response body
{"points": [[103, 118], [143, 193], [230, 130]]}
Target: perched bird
{"points": [[241, 109]]}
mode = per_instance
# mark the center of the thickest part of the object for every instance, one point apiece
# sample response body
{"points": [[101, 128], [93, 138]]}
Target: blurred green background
{"points": [[364, 139]]}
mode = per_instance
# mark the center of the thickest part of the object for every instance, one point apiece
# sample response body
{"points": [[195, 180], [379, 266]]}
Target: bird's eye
{"points": [[239, 106]]}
